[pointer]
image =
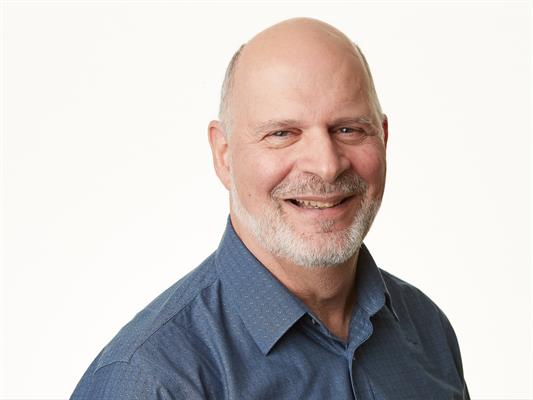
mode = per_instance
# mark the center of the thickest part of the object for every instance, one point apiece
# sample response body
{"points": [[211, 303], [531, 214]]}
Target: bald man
{"points": [[291, 305]]}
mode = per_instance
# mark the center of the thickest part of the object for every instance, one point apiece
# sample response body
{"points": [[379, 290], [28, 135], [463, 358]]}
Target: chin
{"points": [[329, 247]]}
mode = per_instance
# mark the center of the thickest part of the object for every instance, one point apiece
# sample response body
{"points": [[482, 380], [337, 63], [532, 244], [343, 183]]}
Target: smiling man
{"points": [[291, 305]]}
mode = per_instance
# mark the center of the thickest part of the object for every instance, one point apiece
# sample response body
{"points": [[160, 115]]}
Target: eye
{"points": [[351, 134], [281, 138], [280, 134], [345, 130]]}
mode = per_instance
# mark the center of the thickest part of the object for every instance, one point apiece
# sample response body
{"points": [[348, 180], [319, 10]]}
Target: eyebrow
{"points": [[273, 124], [363, 120]]}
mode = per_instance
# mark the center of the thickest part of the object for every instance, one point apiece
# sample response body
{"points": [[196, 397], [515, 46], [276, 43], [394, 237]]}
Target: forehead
{"points": [[302, 86]]}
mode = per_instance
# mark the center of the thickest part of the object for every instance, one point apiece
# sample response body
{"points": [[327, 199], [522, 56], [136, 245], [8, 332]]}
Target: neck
{"points": [[328, 291]]}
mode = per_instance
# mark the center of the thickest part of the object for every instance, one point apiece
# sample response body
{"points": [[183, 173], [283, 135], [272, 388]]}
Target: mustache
{"points": [[348, 183]]}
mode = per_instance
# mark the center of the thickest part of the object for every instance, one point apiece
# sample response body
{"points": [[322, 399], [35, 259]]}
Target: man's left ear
{"points": [[385, 126]]}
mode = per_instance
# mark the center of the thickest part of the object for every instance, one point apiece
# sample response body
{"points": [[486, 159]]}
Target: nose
{"points": [[322, 156]]}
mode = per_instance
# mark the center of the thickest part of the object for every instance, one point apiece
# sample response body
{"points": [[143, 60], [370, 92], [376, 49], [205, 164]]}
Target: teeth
{"points": [[315, 204]]}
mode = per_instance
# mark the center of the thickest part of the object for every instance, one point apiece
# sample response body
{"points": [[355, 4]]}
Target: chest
{"points": [[306, 364]]}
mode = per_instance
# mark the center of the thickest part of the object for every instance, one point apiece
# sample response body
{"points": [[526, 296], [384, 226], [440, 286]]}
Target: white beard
{"points": [[327, 248]]}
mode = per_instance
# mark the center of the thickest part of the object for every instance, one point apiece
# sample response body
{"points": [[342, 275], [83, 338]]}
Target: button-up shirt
{"points": [[230, 330]]}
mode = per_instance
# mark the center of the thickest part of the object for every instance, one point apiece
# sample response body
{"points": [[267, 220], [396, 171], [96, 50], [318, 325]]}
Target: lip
{"points": [[325, 213], [324, 199]]}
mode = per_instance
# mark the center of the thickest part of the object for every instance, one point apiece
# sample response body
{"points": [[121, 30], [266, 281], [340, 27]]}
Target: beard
{"points": [[326, 248]]}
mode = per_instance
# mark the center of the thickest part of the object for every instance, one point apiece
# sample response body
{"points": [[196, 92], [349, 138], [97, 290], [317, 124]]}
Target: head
{"points": [[300, 144]]}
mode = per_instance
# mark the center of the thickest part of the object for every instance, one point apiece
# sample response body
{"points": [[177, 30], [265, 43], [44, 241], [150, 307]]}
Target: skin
{"points": [[299, 88]]}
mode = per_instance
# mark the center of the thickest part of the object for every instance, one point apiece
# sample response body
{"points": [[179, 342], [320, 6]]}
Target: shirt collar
{"points": [[371, 290], [266, 306]]}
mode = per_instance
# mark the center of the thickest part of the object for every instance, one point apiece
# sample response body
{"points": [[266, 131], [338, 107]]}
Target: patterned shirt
{"points": [[230, 330]]}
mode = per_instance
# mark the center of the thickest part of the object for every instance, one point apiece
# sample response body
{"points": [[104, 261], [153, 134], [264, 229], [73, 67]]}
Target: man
{"points": [[291, 305]]}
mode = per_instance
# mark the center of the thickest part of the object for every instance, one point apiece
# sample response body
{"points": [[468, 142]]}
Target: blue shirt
{"points": [[230, 330]]}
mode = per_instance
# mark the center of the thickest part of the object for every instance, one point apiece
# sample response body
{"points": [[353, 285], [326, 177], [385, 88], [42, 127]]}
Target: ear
{"points": [[385, 126], [219, 149]]}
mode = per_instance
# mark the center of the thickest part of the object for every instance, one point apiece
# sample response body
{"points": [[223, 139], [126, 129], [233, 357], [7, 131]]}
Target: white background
{"points": [[109, 196]]}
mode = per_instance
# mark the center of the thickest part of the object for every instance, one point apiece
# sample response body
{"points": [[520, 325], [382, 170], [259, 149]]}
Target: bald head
{"points": [[304, 43]]}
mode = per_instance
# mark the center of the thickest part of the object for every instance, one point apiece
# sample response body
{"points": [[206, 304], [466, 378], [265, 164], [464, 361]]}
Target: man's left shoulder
{"points": [[419, 315], [413, 304], [424, 324]]}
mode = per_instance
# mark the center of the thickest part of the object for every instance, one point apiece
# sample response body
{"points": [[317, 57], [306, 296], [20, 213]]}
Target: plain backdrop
{"points": [[109, 195]]}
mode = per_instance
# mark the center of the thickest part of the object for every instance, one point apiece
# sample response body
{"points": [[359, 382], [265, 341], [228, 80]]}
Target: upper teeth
{"points": [[315, 204]]}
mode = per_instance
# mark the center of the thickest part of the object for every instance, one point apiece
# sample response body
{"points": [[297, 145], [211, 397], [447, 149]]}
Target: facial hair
{"points": [[327, 248]]}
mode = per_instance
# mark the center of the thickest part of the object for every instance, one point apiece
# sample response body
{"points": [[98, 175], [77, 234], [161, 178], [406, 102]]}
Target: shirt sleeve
{"points": [[454, 347], [121, 381]]}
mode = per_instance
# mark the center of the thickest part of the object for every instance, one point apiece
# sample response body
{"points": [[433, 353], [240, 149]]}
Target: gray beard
{"points": [[327, 248]]}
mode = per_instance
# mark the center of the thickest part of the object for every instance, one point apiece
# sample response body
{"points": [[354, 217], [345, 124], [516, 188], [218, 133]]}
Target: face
{"points": [[305, 160]]}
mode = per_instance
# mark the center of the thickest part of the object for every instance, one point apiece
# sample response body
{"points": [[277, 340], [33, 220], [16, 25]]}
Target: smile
{"points": [[318, 204]]}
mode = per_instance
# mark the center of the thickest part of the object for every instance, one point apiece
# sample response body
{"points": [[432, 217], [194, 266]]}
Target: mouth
{"points": [[318, 204]]}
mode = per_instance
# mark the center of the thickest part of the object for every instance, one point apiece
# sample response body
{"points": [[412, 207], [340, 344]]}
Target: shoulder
{"points": [[413, 305], [422, 320], [168, 306], [132, 361], [119, 381], [406, 296]]}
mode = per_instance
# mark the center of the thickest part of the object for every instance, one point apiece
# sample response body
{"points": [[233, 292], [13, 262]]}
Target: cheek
{"points": [[256, 173], [370, 165]]}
